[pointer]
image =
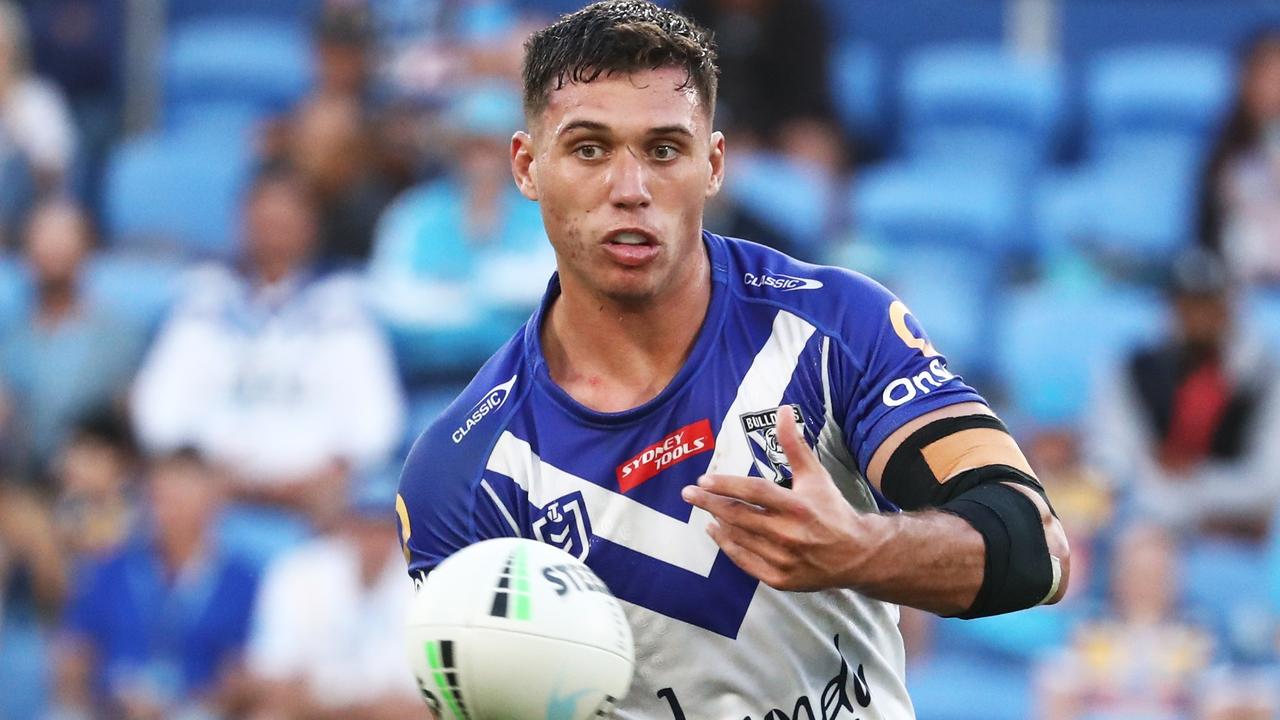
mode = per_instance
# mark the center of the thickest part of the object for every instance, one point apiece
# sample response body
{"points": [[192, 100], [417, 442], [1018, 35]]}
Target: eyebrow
{"points": [[594, 126]]}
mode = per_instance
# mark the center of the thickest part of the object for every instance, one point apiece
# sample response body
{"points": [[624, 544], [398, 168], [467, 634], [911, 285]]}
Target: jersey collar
{"points": [[708, 334]]}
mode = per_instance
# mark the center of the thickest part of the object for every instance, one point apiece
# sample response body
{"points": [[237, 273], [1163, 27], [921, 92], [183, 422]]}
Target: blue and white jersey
{"points": [[517, 456]]}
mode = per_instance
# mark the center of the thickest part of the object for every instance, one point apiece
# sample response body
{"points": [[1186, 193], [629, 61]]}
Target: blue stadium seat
{"points": [[1128, 211], [15, 293], [258, 534], [952, 291], [857, 90], [790, 197], [978, 104], [296, 12], [425, 405], [970, 686], [909, 24], [1054, 340], [136, 288], [1221, 586], [260, 63], [178, 190], [1157, 95], [940, 205], [1262, 315], [25, 667], [216, 117], [1092, 27]]}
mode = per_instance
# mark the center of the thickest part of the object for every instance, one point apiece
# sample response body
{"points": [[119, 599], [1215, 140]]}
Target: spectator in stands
{"points": [[70, 358], [1082, 497], [774, 77], [1191, 423], [157, 628], [343, 40], [328, 631], [35, 123], [449, 248], [95, 509], [1138, 661], [1240, 192], [33, 566], [331, 148], [274, 371], [79, 44], [34, 578]]}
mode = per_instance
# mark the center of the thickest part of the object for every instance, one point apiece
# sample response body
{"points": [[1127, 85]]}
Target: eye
{"points": [[665, 152], [589, 152]]}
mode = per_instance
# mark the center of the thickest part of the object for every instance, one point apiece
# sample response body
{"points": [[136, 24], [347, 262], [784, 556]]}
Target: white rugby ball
{"points": [[514, 629]]}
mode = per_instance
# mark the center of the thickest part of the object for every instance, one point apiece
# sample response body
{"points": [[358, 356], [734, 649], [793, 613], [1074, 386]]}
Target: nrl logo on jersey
{"points": [[762, 436], [564, 524]]}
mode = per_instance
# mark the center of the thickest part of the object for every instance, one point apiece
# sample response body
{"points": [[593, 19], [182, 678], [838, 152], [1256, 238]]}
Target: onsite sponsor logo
{"points": [[678, 446], [904, 390], [778, 281], [491, 401]]}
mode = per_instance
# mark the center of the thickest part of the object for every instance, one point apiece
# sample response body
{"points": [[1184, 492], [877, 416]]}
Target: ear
{"points": [[522, 164], [717, 164]]}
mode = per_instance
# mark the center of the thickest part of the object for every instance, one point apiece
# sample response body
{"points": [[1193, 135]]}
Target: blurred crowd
{"points": [[222, 326]]}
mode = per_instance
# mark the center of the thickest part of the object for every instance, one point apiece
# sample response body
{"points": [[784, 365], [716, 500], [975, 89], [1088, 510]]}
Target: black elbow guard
{"points": [[1019, 572]]}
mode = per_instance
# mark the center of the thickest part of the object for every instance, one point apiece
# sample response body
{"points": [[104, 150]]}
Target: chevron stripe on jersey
{"points": [[711, 641]]}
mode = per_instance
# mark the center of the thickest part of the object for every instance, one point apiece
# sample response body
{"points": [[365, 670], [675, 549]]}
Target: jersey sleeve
{"points": [[445, 503], [887, 372]]}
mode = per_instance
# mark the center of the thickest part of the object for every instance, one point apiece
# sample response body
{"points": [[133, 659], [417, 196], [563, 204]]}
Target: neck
{"points": [[57, 301], [612, 355], [178, 549]]}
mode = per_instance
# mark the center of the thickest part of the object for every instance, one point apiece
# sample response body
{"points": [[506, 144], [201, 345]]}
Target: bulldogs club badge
{"points": [[564, 524], [762, 436]]}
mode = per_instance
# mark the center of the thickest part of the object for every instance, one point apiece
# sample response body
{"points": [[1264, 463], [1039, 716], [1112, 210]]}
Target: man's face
{"points": [[280, 226], [57, 241], [622, 168]]}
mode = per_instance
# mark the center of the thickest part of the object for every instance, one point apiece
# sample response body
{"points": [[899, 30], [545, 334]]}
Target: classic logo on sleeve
{"points": [[778, 281], [680, 445], [762, 436], [491, 401]]}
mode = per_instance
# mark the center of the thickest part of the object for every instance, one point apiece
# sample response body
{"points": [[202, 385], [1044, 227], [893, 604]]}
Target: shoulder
{"points": [[464, 434], [309, 564], [39, 98], [841, 303], [207, 291], [336, 298]]}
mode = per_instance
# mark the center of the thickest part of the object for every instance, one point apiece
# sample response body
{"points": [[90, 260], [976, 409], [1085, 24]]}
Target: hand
{"points": [[802, 539]]}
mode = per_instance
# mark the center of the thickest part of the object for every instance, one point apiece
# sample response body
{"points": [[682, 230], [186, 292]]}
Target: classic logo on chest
{"points": [[676, 447]]}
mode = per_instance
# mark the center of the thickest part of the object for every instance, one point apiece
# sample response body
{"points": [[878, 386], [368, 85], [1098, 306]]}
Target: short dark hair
{"points": [[617, 36]]}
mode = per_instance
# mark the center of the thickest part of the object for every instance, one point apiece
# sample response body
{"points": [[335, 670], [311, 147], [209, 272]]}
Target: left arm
{"points": [[810, 538]]}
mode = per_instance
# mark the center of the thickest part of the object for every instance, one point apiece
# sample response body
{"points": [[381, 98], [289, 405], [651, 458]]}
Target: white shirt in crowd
{"points": [[315, 622], [35, 121], [274, 381]]}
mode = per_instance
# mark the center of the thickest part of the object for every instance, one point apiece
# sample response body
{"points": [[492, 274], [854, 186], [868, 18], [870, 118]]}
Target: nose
{"points": [[629, 182]]}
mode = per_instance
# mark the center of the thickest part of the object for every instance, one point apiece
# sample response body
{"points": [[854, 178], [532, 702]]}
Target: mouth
{"points": [[632, 247], [631, 237]]}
